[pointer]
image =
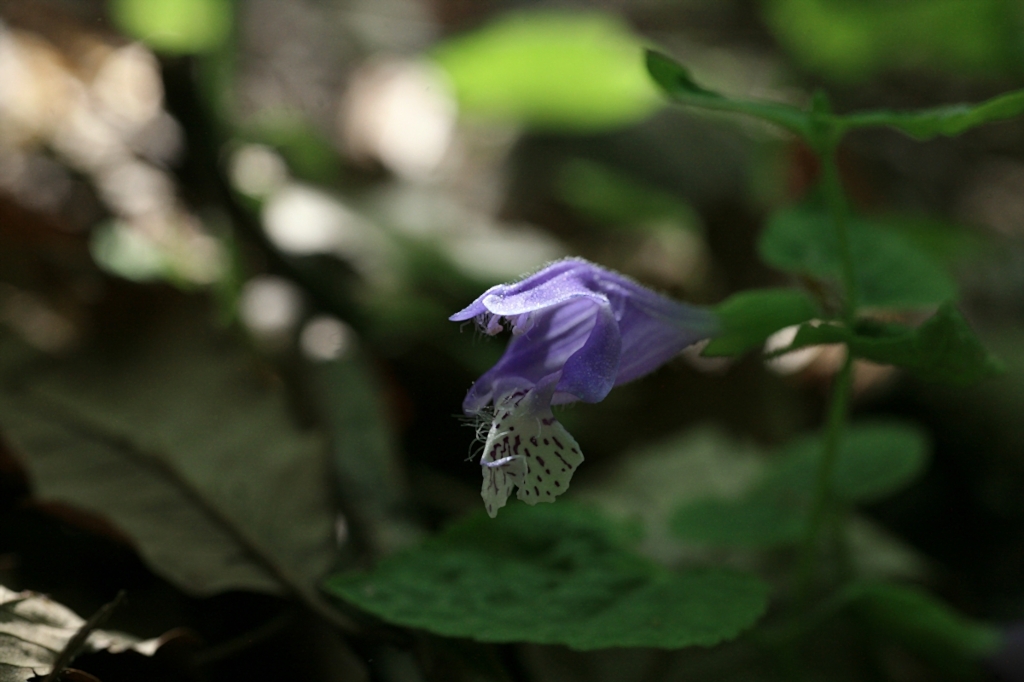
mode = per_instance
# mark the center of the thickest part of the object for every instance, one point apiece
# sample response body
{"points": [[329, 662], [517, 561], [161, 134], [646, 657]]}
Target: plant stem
{"points": [[826, 144], [836, 202], [823, 483]]}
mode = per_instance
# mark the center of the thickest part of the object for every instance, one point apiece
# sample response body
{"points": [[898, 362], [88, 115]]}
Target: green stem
{"points": [[836, 201], [826, 144], [823, 484]]}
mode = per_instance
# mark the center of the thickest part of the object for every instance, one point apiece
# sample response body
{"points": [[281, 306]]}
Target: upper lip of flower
{"points": [[583, 326]]}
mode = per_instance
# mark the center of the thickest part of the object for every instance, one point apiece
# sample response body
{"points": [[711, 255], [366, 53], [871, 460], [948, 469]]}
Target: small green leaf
{"points": [[874, 460], [950, 120], [552, 575], [676, 82], [951, 642], [943, 348], [750, 317], [891, 272], [549, 69]]}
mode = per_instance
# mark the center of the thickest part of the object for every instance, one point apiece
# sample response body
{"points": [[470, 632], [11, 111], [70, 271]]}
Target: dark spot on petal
{"points": [[558, 484], [539, 479], [547, 442], [536, 490], [533, 439], [548, 492], [547, 471], [557, 442], [540, 459]]}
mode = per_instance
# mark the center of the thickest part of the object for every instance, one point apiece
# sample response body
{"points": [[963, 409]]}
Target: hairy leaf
{"points": [[552, 574]]}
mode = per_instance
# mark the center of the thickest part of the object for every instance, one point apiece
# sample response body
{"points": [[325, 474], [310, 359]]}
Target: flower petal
{"points": [[589, 373], [558, 282], [527, 448], [556, 334], [651, 336]]}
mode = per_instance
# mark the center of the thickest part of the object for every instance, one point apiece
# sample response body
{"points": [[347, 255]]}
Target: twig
{"points": [[77, 642]]}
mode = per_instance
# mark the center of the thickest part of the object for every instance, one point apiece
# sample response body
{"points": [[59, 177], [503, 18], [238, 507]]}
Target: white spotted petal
{"points": [[529, 449]]}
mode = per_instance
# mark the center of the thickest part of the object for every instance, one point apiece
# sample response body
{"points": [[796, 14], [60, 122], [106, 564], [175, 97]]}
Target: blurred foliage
{"points": [[856, 40], [561, 70], [175, 26], [891, 272], [874, 461]]}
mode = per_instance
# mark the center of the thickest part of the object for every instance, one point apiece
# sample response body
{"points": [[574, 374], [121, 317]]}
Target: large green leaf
{"points": [[763, 518], [891, 271], [677, 83], [750, 317], [175, 435], [943, 348], [552, 69], [874, 460], [552, 574]]}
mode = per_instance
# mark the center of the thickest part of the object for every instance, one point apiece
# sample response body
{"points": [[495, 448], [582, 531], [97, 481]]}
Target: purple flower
{"points": [[577, 331]]}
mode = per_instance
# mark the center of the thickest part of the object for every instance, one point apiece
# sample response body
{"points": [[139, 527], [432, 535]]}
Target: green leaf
{"points": [[551, 69], [750, 317], [676, 82], [853, 41], [950, 120], [942, 349], [874, 460], [891, 272], [764, 518], [612, 198], [175, 26], [552, 574], [951, 642], [176, 436]]}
